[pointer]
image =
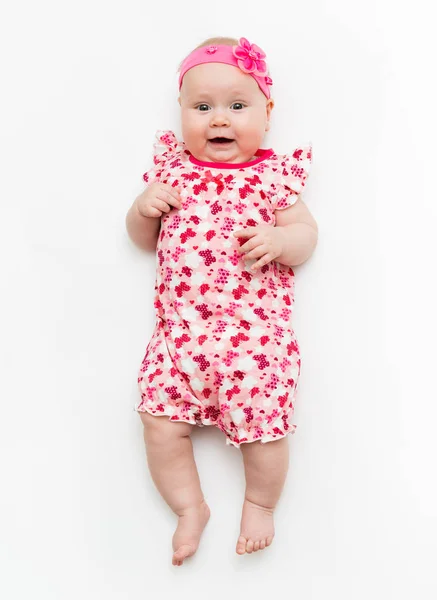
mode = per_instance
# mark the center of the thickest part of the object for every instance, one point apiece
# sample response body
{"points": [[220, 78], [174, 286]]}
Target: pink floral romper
{"points": [[223, 351]]}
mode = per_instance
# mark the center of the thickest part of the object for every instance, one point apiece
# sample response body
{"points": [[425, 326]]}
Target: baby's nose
{"points": [[219, 119]]}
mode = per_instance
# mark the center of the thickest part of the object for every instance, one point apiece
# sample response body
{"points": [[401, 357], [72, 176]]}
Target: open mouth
{"points": [[221, 140]]}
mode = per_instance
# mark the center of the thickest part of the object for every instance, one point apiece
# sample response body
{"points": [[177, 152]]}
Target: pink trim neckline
{"points": [[261, 155]]}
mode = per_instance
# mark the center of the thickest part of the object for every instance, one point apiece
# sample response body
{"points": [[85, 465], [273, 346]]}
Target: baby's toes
{"points": [[181, 554], [241, 545], [256, 546], [249, 546], [262, 544], [269, 540]]}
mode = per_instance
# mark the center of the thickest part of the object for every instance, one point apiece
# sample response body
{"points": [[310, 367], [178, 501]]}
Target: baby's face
{"points": [[219, 101]]}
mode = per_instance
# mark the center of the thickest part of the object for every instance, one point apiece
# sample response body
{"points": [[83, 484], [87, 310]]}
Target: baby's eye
{"points": [[202, 107], [237, 106]]}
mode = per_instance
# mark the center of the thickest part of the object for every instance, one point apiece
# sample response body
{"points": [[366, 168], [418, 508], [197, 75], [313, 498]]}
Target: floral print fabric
{"points": [[223, 351]]}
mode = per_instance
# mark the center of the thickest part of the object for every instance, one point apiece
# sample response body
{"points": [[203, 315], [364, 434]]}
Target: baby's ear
{"points": [[269, 107]]}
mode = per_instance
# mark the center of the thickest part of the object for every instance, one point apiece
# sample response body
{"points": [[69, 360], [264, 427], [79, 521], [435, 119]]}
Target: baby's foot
{"points": [[257, 528], [186, 538]]}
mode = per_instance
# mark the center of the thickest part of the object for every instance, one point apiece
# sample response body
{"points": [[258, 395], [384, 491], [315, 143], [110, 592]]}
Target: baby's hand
{"points": [[158, 198], [265, 242]]}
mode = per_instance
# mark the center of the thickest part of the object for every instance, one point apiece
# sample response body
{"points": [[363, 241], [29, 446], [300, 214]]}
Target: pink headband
{"points": [[247, 57]]}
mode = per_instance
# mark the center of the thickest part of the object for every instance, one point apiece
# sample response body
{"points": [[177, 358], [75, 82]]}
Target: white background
{"points": [[85, 85]]}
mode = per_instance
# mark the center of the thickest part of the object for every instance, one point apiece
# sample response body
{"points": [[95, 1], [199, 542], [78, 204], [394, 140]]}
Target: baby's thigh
{"points": [[161, 430]]}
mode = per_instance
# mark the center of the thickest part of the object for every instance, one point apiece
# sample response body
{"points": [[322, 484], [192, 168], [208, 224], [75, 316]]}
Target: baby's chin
{"points": [[228, 151]]}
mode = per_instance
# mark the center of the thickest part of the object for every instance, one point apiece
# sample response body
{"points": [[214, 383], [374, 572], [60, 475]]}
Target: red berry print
{"points": [[230, 355], [187, 234], [190, 176], [235, 257], [176, 254], [273, 382], [174, 222], [180, 340], [181, 288], [172, 392], [239, 291], [210, 234], [201, 187], [207, 257], [245, 191], [282, 400], [232, 308], [249, 414], [222, 277], [255, 180], [212, 413], [204, 288], [265, 215], [237, 339], [297, 171], [203, 310], [260, 312], [228, 224], [285, 314], [240, 207], [247, 276], [262, 361], [203, 362], [292, 348], [234, 390], [219, 378], [220, 326], [154, 374], [216, 208]]}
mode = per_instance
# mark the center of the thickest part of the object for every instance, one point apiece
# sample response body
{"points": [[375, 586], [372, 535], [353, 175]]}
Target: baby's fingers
{"points": [[170, 198], [171, 190]]}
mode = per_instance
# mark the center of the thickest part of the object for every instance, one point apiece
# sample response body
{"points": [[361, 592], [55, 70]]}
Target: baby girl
{"points": [[227, 221]]}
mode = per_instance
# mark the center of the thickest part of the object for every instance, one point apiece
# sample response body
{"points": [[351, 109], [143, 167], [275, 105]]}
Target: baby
{"points": [[227, 221]]}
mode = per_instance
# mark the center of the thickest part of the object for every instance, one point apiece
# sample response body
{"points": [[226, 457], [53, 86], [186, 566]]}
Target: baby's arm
{"points": [[299, 233], [143, 220]]}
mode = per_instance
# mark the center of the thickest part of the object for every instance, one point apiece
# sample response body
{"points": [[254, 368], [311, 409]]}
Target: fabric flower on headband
{"points": [[250, 57]]}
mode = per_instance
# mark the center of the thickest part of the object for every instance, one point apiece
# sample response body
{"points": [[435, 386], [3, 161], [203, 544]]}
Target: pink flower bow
{"points": [[250, 57]]}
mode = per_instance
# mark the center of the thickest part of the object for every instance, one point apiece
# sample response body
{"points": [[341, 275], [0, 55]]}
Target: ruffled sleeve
{"points": [[295, 169], [165, 147]]}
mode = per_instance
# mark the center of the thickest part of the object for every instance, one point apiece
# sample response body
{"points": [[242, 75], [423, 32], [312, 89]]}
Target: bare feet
{"points": [[186, 538], [257, 528]]}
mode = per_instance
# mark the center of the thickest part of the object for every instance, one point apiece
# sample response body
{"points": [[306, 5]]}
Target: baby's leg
{"points": [[172, 467], [266, 467]]}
